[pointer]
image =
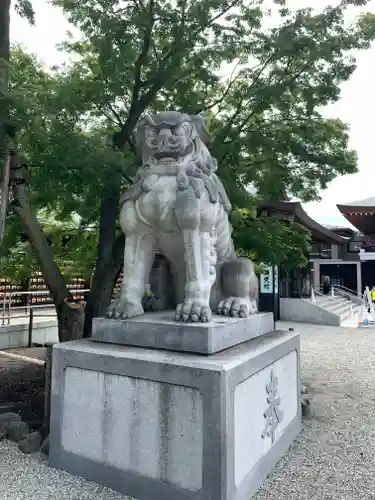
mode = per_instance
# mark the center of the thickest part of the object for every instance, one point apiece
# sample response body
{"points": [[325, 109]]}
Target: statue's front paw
{"points": [[123, 309], [237, 307], [192, 312]]}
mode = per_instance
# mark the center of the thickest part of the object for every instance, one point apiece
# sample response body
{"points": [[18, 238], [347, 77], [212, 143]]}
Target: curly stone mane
{"points": [[181, 152]]}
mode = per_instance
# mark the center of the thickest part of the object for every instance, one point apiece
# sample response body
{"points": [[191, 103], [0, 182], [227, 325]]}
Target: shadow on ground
{"points": [[22, 386]]}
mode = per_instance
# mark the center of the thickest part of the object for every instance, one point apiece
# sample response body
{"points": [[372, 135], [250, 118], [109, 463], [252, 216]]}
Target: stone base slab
{"points": [[161, 425], [160, 330]]}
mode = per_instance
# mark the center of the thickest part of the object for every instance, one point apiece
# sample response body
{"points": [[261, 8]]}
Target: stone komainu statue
{"points": [[177, 207]]}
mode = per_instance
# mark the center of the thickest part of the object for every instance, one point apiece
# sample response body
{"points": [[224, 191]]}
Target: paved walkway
{"points": [[334, 458]]}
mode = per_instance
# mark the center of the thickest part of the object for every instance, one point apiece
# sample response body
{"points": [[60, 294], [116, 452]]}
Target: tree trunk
{"points": [[70, 316], [4, 71], [4, 111], [103, 284], [4, 195], [110, 254]]}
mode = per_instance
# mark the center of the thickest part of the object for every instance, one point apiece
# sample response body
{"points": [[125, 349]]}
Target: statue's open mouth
{"points": [[167, 155]]}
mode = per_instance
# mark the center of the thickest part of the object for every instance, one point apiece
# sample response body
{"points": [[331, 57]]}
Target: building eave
{"points": [[295, 208], [360, 216]]}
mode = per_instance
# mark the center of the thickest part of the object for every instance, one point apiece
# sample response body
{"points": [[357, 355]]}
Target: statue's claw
{"points": [[124, 310], [193, 312], [237, 307]]}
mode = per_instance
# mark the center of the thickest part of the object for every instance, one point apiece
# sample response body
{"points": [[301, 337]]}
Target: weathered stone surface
{"points": [[17, 431], [159, 330], [305, 405], [156, 424], [31, 443], [9, 417], [4, 429], [45, 446], [178, 206], [5, 420]]}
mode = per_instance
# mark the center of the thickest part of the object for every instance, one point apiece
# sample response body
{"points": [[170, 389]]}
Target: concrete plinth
{"points": [[160, 330], [157, 424]]}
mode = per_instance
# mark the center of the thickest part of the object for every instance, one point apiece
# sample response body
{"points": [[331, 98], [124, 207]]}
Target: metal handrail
{"points": [[6, 298], [348, 295], [340, 291], [346, 289]]}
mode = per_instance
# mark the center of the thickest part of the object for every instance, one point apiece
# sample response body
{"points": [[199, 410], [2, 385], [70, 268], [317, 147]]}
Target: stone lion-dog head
{"points": [[174, 143], [173, 138]]}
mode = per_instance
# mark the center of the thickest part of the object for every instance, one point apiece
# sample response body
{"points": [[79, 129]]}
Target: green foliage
{"points": [[74, 248], [278, 139], [271, 240], [25, 9], [143, 56], [18, 260]]}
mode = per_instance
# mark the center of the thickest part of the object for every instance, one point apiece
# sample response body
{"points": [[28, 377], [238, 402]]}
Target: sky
{"points": [[356, 106]]}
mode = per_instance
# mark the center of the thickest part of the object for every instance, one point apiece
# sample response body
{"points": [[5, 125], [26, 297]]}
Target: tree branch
{"points": [[295, 76], [215, 18], [238, 109], [143, 55], [140, 103], [232, 80], [51, 273], [4, 195], [4, 67]]}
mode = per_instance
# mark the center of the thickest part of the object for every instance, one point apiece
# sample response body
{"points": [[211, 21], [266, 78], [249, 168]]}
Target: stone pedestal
{"points": [[157, 424], [159, 330]]}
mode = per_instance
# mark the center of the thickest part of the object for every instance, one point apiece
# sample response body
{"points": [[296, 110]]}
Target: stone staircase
{"points": [[346, 309]]}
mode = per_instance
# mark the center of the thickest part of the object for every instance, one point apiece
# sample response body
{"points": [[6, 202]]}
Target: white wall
{"points": [[17, 335], [302, 311]]}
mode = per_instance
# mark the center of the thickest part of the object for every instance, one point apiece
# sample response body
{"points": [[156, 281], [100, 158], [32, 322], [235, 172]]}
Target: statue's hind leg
{"points": [[239, 285]]}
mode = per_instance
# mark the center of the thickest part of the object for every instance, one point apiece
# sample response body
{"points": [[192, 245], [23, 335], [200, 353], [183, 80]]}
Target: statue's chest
{"points": [[157, 206]]}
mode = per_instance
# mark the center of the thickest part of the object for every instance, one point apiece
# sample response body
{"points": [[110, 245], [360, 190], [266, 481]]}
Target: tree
{"points": [[50, 142], [271, 240], [24, 8], [266, 120], [69, 315]]}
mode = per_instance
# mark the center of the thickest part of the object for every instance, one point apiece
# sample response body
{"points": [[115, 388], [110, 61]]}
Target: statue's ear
{"points": [[139, 133], [200, 125]]}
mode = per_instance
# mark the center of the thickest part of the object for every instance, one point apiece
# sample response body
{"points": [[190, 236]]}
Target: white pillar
{"points": [[316, 275], [334, 252], [359, 279]]}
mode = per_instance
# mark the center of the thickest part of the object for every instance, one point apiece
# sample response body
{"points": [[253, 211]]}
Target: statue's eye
{"points": [[149, 132], [182, 129]]}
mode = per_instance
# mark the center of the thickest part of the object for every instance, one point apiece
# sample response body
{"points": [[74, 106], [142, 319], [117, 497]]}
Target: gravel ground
{"points": [[25, 477], [335, 455], [333, 458]]}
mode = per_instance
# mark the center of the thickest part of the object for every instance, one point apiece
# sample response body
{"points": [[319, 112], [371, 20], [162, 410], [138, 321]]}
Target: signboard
{"points": [[269, 279]]}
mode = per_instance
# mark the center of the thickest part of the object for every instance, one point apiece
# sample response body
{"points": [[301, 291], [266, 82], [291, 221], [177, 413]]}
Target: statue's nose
{"points": [[166, 137]]}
